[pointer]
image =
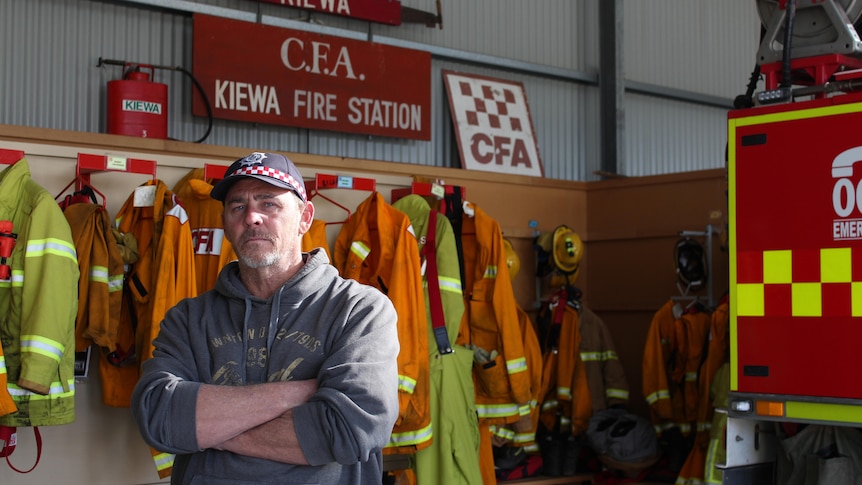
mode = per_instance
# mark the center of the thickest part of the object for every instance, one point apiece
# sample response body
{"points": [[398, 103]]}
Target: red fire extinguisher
{"points": [[7, 242], [137, 106]]}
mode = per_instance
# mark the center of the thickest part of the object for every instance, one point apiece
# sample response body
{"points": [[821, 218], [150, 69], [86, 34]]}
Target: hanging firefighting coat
{"points": [[523, 432], [100, 287], [453, 457], [212, 251], [673, 353], [315, 237], [605, 374], [38, 304], [490, 324], [692, 472], [566, 401], [378, 247], [491, 318], [163, 275]]}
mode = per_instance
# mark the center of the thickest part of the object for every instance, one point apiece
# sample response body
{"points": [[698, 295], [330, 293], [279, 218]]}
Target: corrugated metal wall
{"points": [[49, 77], [700, 47]]}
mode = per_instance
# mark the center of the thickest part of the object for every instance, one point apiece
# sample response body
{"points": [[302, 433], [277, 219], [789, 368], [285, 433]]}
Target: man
{"points": [[285, 372]]}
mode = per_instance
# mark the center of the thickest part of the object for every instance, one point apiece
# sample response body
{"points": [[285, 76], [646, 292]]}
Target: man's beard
{"points": [[262, 261], [267, 258]]}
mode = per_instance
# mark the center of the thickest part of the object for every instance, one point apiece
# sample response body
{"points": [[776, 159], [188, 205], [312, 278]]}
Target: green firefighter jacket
{"points": [[38, 303]]}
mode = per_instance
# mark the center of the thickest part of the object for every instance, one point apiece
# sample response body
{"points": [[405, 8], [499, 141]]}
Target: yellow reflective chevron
{"points": [[360, 249], [164, 461], [412, 437], [655, 396], [497, 410], [617, 393], [55, 391], [490, 272], [452, 285], [42, 346], [406, 384], [516, 365], [40, 247]]}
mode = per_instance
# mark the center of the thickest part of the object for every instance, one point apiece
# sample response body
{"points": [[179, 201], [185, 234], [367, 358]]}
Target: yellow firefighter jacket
{"points": [[38, 303], [377, 247]]}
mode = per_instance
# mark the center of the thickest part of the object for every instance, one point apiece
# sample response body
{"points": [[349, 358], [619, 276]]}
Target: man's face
{"points": [[265, 223]]}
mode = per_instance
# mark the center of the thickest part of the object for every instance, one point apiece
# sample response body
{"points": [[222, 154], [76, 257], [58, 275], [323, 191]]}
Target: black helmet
{"points": [[690, 261]]}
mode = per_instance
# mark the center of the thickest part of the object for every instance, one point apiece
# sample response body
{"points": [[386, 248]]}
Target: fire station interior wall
{"points": [[699, 50], [629, 227], [633, 225]]}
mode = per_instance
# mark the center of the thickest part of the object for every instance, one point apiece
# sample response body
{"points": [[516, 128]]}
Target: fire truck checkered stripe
{"points": [[800, 283], [276, 174]]}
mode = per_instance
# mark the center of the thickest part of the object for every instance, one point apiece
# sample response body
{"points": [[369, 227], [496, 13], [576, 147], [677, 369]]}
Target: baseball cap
{"points": [[271, 168]]}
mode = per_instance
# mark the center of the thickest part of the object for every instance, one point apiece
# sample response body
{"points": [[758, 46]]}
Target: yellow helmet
{"points": [[512, 259], [568, 251]]}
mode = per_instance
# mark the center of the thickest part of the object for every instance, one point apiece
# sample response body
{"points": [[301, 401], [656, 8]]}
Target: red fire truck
{"points": [[795, 238]]}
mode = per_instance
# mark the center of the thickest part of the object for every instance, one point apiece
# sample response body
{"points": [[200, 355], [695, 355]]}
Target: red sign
{"points": [[493, 124], [263, 74], [382, 11]]}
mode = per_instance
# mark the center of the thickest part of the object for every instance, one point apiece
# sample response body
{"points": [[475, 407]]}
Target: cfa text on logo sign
{"points": [[493, 124]]}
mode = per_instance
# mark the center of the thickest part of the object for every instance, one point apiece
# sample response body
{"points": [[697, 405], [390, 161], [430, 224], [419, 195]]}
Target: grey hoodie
{"points": [[318, 325]]}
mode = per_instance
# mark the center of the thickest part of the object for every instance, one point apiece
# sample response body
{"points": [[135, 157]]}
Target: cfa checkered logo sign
{"points": [[493, 124]]}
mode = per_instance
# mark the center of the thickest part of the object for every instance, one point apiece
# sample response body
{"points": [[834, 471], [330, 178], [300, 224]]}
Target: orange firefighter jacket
{"points": [[525, 429], [378, 247], [566, 404], [212, 251], [605, 374], [490, 322], [163, 275], [100, 286], [672, 357], [316, 238], [692, 472]]}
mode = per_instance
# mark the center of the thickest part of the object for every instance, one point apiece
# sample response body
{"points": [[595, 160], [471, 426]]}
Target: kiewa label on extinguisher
{"points": [[142, 106], [264, 74]]}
